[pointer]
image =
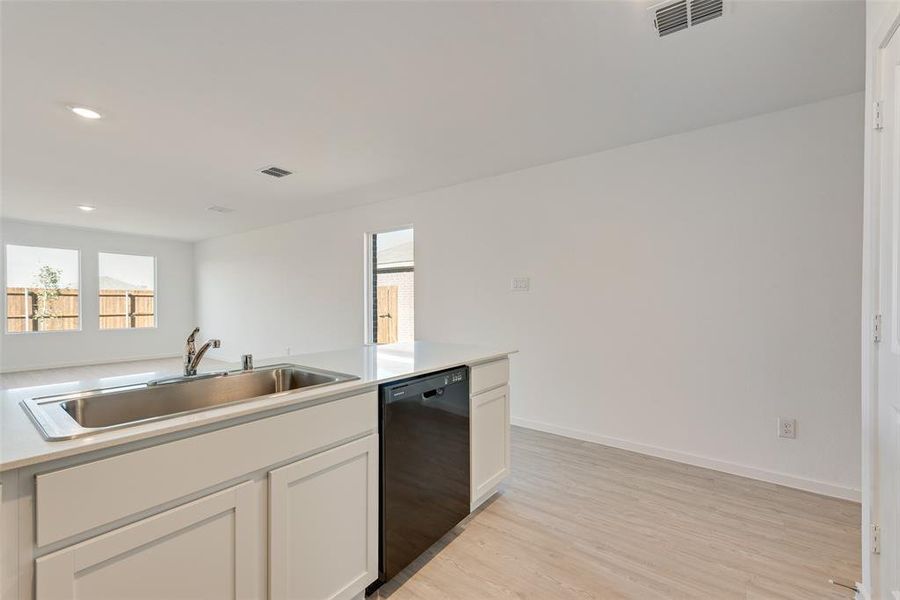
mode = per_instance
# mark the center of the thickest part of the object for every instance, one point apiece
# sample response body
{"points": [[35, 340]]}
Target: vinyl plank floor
{"points": [[584, 521]]}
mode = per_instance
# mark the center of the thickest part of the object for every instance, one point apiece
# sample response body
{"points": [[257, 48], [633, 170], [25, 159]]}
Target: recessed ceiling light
{"points": [[87, 208], [85, 112]]}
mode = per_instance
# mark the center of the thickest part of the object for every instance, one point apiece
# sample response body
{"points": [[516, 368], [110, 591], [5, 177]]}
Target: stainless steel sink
{"points": [[83, 413]]}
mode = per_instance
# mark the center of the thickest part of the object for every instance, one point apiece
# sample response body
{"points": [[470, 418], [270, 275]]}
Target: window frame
{"points": [[155, 291], [78, 263], [370, 280]]}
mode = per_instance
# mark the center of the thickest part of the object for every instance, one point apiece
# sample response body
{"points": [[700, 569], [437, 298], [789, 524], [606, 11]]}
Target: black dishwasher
{"points": [[424, 470]]}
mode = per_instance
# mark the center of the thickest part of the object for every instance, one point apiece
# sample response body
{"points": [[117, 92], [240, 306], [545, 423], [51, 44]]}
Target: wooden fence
{"points": [[119, 309], [386, 302], [123, 309], [22, 306]]}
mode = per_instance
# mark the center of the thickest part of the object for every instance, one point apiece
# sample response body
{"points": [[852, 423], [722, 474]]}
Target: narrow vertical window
{"points": [[391, 289], [42, 289], [127, 291]]}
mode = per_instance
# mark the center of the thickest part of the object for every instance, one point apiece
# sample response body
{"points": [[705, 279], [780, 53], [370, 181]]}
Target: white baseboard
{"points": [[89, 363], [792, 481]]}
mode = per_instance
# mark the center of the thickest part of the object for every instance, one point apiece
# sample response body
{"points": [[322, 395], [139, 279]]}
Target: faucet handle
{"points": [[190, 338], [247, 362]]}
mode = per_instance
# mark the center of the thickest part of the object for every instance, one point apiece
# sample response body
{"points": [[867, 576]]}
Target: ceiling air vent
{"points": [[670, 17], [275, 172], [673, 16], [705, 10]]}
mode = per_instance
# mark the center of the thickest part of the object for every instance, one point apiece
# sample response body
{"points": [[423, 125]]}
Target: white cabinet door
{"points": [[490, 442], [204, 549], [323, 524]]}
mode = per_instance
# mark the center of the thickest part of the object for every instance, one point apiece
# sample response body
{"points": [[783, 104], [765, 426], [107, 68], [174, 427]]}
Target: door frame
{"points": [[876, 40]]}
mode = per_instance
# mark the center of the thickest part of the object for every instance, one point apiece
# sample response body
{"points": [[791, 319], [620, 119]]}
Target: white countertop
{"points": [[21, 444]]}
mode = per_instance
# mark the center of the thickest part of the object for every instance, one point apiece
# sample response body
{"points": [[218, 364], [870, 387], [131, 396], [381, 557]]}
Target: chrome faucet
{"points": [[192, 356]]}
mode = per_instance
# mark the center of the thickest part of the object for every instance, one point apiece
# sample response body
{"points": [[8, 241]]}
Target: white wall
{"points": [[175, 301], [686, 292]]}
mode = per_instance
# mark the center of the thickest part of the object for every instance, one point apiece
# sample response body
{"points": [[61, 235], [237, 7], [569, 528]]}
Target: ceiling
{"points": [[369, 100]]}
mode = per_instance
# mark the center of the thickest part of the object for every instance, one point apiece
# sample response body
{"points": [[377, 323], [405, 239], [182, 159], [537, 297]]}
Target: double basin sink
{"points": [[78, 414]]}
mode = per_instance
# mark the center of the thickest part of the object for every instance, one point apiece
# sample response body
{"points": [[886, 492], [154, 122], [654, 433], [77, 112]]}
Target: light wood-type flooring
{"points": [[581, 520]]}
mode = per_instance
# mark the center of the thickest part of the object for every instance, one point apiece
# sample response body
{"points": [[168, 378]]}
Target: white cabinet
{"points": [[106, 490], [86, 527], [207, 548], [489, 442], [323, 524]]}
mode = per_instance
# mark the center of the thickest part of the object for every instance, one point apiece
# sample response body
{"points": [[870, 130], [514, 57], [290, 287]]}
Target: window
{"points": [[127, 291], [41, 289], [391, 295]]}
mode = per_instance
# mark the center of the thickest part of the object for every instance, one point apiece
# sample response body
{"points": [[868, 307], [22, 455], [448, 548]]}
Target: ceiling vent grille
{"points": [[671, 18], [275, 172], [705, 10], [674, 16]]}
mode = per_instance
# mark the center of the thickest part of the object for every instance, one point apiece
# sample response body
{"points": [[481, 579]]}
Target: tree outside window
{"points": [[42, 289]]}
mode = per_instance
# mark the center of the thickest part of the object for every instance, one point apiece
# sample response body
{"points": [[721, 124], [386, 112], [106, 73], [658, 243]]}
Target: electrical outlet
{"points": [[787, 428], [521, 284]]}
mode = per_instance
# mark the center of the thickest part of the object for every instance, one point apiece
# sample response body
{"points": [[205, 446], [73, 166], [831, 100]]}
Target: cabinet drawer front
{"points": [[106, 490], [489, 375], [204, 549]]}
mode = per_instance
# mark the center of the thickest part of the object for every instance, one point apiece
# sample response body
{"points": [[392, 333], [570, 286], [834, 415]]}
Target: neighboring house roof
{"points": [[400, 255], [111, 283]]}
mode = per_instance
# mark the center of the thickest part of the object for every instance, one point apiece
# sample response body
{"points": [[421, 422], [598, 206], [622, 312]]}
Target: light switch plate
{"points": [[521, 284]]}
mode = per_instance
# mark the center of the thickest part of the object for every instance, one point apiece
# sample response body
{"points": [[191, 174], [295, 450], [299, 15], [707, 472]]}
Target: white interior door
{"points": [[886, 506]]}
